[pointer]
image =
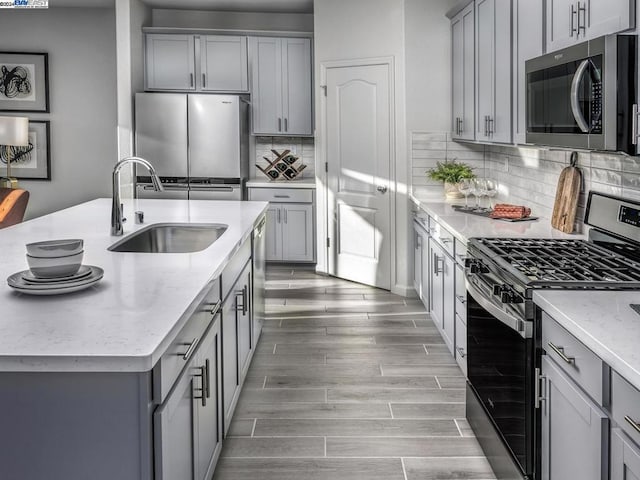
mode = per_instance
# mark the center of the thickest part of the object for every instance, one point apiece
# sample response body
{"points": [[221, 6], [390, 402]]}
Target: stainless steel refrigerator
{"points": [[198, 144]]}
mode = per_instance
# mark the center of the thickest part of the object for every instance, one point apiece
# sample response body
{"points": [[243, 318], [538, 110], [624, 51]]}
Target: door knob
{"points": [[382, 189]]}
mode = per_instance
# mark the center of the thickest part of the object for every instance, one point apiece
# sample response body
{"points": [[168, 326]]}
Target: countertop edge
{"points": [[591, 342], [142, 363]]}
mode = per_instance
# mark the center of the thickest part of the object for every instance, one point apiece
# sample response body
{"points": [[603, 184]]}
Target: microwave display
{"points": [[566, 98]]}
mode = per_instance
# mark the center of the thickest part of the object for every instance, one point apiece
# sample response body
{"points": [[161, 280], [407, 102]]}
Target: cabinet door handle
{"points": [[538, 398], [461, 126], [582, 25], [560, 352], [214, 308], [279, 124], [278, 215], [286, 124], [461, 299], [491, 128], [207, 369], [436, 260], [634, 125], [285, 216], [573, 29], [191, 80], [281, 196], [632, 422], [461, 352], [446, 240], [244, 294], [190, 350], [204, 80], [203, 385]]}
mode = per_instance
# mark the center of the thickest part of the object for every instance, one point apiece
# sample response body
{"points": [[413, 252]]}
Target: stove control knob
{"points": [[506, 296], [468, 262], [497, 289]]}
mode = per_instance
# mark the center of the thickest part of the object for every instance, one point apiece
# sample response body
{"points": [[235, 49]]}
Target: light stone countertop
{"points": [[128, 319], [302, 183], [603, 321], [464, 226]]}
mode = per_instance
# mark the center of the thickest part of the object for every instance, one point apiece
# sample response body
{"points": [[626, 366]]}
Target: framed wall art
{"points": [[24, 82], [32, 162]]}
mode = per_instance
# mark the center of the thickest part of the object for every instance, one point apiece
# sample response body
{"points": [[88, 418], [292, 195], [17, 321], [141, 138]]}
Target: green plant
{"points": [[451, 172]]}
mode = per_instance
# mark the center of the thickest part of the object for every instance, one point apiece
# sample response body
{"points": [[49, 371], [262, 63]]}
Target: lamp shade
{"points": [[14, 131]]}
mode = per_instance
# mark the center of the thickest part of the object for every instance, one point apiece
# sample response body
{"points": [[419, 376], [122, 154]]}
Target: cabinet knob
{"points": [[381, 188]]}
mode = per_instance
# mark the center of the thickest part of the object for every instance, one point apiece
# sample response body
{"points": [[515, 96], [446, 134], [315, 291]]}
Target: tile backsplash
{"points": [[527, 175], [302, 147]]}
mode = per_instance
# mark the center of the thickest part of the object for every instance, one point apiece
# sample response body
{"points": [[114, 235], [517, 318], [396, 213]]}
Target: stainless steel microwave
{"points": [[585, 96]]}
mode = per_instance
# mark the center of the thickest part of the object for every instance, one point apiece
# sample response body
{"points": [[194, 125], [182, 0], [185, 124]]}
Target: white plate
{"points": [[17, 282], [84, 271]]}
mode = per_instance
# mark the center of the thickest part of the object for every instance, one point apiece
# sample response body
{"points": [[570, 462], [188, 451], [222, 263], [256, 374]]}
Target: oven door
{"points": [[500, 372]]}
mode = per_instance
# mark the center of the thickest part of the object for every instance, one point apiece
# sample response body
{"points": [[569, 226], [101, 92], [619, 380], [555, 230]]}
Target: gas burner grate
{"points": [[557, 260]]}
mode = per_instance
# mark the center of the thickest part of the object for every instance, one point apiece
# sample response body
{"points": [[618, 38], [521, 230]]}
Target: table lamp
{"points": [[14, 132]]}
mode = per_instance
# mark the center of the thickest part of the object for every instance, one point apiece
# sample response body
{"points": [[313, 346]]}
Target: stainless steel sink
{"points": [[170, 238]]}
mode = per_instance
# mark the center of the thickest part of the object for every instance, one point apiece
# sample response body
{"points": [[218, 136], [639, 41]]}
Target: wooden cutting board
{"points": [[566, 203]]}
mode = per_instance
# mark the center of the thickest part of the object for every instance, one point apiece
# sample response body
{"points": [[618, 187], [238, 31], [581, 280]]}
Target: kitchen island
{"points": [[88, 380]]}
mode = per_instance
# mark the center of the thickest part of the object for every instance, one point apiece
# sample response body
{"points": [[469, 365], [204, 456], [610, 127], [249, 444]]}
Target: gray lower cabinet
{"points": [[188, 425], [442, 292], [625, 457], [420, 263], [574, 430], [236, 341]]}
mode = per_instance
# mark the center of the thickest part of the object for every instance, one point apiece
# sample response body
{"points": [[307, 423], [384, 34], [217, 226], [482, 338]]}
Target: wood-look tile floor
{"points": [[349, 383]]}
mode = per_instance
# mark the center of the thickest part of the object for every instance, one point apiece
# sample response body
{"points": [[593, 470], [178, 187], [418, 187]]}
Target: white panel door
{"points": [[297, 232], [457, 73], [224, 63], [170, 62], [359, 142], [296, 86]]}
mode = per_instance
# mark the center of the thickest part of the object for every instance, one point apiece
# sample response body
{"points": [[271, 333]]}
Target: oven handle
{"points": [[523, 328], [575, 103]]}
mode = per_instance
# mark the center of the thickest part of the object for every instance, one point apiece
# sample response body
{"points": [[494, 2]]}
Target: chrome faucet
{"points": [[116, 206]]}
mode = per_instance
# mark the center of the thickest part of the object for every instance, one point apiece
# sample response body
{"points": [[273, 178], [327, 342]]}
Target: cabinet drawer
{"points": [[461, 252], [281, 195], [625, 457], [443, 236], [461, 344], [461, 295], [235, 266], [625, 406], [185, 344], [580, 363]]}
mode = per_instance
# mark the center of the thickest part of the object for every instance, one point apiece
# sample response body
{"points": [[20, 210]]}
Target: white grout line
{"points": [[423, 346], [414, 323], [458, 427], [390, 410], [404, 470], [264, 384], [253, 429], [381, 371], [437, 381], [275, 345], [325, 446]]}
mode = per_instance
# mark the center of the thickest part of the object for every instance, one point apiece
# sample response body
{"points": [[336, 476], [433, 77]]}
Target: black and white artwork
{"points": [[24, 82], [31, 162]]}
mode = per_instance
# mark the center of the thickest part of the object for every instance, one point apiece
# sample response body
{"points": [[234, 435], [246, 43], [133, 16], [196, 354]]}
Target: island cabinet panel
{"points": [[76, 425]]}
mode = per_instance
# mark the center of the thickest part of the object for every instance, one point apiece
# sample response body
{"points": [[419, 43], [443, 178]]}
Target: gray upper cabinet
{"points": [[223, 62], [574, 430], [170, 63], [493, 71], [463, 73], [281, 86], [528, 42], [570, 21]]}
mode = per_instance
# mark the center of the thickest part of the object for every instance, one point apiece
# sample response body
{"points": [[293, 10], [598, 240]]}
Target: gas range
{"points": [[503, 349]]}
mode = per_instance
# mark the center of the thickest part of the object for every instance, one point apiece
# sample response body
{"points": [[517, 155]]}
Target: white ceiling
{"points": [[273, 6]]}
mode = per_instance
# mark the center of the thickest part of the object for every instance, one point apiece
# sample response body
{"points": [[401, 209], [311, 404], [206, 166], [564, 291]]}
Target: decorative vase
{"points": [[451, 191]]}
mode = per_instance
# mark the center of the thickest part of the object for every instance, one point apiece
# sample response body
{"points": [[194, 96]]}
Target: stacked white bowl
{"points": [[55, 258]]}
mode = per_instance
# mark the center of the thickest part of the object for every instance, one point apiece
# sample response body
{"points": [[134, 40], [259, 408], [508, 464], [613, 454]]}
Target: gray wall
{"points": [[82, 91], [299, 22]]}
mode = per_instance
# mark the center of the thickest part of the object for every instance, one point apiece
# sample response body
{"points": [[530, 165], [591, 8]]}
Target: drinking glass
{"points": [[492, 191], [464, 187], [481, 191], [474, 191]]}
